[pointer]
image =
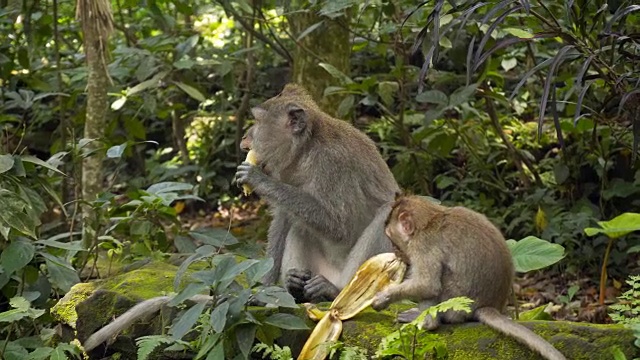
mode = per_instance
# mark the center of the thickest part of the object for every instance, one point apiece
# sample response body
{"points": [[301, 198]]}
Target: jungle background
{"points": [[120, 124]]}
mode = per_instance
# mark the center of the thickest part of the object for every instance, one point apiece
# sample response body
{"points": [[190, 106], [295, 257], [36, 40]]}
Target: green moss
{"points": [[65, 310], [154, 279], [477, 341]]}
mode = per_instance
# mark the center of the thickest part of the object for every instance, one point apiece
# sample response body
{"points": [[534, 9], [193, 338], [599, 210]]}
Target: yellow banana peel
{"points": [[253, 160], [328, 329], [373, 276]]}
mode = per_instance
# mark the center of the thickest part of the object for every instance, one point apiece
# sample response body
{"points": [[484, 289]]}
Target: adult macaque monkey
{"points": [[451, 252], [328, 188]]}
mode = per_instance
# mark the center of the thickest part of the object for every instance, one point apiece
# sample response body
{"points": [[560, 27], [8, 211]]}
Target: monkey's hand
{"points": [[250, 174], [295, 280], [320, 289], [381, 300]]}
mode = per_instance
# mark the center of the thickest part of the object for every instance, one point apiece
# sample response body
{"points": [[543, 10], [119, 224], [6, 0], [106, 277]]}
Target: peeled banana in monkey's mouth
{"points": [[253, 160], [373, 276]]}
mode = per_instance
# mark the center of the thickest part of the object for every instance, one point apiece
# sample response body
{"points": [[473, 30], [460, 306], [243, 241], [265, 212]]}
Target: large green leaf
{"points": [[286, 321], [333, 71], [191, 91], [219, 317], [13, 213], [532, 253], [61, 273], [187, 320], [168, 186], [6, 163], [618, 226], [35, 160], [17, 255]]}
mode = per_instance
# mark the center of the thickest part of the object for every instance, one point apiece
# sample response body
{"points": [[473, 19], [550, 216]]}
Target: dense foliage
{"points": [[527, 111]]}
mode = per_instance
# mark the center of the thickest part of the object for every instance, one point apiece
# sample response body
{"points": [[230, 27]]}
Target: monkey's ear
{"points": [[258, 113], [407, 226], [297, 118]]}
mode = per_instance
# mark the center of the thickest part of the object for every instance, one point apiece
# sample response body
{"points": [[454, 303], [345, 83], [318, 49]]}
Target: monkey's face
{"points": [[247, 139], [279, 133], [400, 228]]}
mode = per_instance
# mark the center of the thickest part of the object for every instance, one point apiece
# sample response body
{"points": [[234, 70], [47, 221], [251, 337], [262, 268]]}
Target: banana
{"points": [[253, 160], [374, 275]]}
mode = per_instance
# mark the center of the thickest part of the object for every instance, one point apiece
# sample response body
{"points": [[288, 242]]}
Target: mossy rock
{"points": [[477, 341], [89, 306]]}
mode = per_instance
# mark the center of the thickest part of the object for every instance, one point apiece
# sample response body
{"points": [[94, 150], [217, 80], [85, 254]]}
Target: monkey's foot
{"points": [[295, 281], [320, 289], [408, 315]]}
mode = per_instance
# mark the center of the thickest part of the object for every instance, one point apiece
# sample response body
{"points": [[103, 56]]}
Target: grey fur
{"points": [[324, 181]]}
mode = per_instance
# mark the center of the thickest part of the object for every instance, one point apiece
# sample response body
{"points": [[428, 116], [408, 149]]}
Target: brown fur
{"points": [[452, 252]]}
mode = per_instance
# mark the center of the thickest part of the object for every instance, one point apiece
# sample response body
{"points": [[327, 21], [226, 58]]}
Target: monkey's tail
{"points": [[494, 319], [125, 320]]}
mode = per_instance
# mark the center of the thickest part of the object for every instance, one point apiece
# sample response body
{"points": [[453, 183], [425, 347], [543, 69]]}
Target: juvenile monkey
{"points": [[327, 187], [451, 252]]}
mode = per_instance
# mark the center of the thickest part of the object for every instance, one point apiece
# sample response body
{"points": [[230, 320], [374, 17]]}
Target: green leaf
{"points": [[508, 64], [517, 32], [345, 106], [433, 97], [61, 273], [153, 82], [13, 213], [561, 173], [169, 186], [462, 95], [189, 291], [12, 315], [217, 352], [535, 314], [276, 296], [17, 255], [214, 236], [116, 151], [191, 91], [219, 317], [186, 322], [35, 160], [207, 347], [245, 334], [41, 353], [445, 42], [333, 71], [6, 163], [532, 253], [14, 351], [386, 90], [619, 226], [141, 228], [146, 344], [309, 30], [617, 353], [286, 321], [135, 128], [255, 273], [443, 181]]}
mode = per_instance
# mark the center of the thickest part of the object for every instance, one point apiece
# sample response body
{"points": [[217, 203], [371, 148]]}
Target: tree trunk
{"points": [[97, 23], [329, 43]]}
